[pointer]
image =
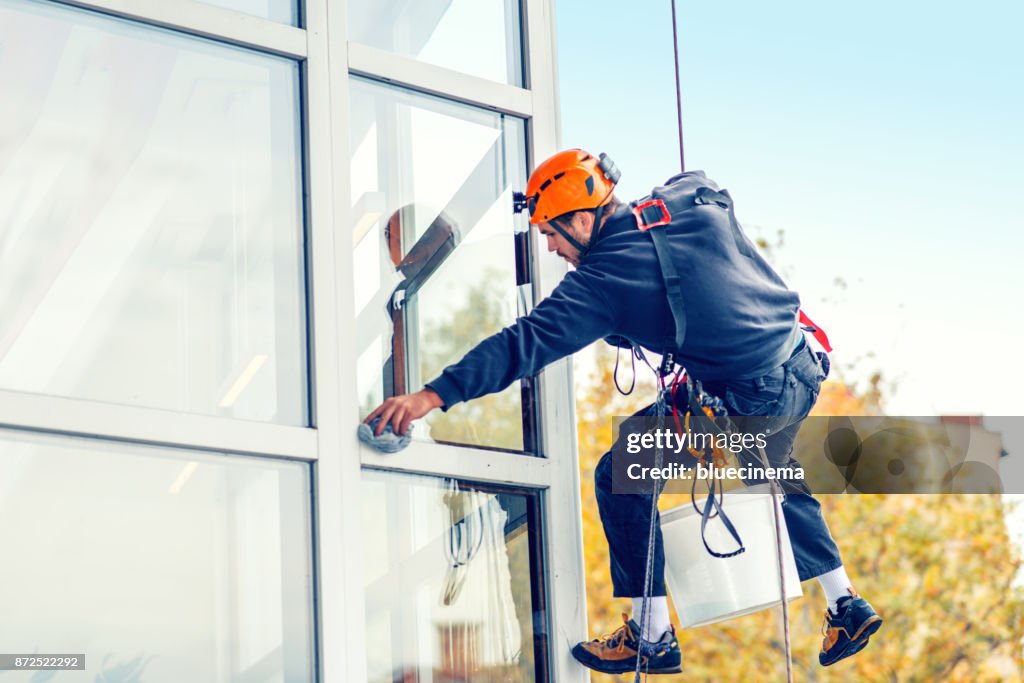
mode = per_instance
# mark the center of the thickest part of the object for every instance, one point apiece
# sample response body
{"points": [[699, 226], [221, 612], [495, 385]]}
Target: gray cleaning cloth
{"points": [[388, 441]]}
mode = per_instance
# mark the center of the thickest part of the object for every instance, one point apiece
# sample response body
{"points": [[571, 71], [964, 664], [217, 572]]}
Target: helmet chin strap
{"points": [[557, 224]]}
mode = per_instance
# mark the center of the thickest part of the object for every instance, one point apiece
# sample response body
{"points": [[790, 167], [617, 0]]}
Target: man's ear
{"points": [[581, 222]]}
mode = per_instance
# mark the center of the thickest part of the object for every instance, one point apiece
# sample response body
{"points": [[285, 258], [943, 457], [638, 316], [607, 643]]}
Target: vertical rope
{"points": [[679, 93], [777, 489], [645, 612]]}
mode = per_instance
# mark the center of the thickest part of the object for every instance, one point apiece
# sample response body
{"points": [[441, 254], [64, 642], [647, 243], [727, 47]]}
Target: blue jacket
{"points": [[741, 318]]}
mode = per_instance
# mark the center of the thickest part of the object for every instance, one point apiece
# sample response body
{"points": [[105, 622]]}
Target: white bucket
{"points": [[707, 589]]}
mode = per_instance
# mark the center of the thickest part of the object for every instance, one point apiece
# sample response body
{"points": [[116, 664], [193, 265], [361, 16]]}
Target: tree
{"points": [[495, 420]]}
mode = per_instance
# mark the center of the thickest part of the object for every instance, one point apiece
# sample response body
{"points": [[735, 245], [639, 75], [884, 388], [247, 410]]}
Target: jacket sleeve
{"points": [[575, 315]]}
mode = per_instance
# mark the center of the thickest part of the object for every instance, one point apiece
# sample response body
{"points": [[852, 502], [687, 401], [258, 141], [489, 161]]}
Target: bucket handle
{"points": [[711, 503]]}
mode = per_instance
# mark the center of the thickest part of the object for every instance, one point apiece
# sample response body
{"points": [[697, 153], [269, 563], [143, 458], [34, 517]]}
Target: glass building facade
{"points": [[228, 230]]}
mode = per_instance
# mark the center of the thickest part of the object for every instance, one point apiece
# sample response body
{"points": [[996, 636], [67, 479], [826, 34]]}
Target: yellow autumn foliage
{"points": [[939, 568]]}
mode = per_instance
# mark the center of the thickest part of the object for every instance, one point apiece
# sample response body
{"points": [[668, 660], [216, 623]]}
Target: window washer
{"points": [[699, 291]]}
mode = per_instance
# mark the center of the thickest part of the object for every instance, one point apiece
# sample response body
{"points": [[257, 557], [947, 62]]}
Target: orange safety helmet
{"points": [[569, 181]]}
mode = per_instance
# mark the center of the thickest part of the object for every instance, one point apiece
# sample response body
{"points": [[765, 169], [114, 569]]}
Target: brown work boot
{"points": [[617, 652], [847, 632]]}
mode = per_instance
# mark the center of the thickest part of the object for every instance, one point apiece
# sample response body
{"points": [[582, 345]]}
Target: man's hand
{"points": [[400, 411]]}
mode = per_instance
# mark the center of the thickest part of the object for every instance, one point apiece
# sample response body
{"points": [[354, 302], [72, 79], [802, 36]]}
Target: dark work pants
{"points": [[789, 391]]}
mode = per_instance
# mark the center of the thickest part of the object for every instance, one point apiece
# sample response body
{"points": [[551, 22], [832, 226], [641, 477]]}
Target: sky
{"points": [[883, 139]]}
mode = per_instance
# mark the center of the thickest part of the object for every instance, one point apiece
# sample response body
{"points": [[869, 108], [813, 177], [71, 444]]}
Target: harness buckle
{"points": [[651, 214]]}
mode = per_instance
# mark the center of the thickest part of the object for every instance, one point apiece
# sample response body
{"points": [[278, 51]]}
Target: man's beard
{"points": [[577, 258]]}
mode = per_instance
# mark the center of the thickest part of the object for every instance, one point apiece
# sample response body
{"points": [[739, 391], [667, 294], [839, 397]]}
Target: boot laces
{"points": [[825, 624], [616, 640]]}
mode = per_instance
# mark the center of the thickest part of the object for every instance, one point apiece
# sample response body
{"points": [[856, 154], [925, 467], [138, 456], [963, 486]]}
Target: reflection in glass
{"points": [[477, 37], [283, 11], [436, 249], [450, 573], [163, 566], [150, 218]]}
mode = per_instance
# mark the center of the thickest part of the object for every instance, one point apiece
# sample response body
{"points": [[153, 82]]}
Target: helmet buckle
{"points": [[519, 202]]}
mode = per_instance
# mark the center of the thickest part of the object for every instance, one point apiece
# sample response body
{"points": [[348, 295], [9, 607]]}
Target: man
{"points": [[739, 336]]}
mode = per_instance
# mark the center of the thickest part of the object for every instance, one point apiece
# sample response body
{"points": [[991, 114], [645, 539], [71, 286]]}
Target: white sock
{"points": [[835, 584], [657, 617]]}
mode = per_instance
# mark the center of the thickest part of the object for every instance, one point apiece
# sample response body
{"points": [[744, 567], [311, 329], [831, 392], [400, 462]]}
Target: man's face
{"points": [[578, 227], [393, 237]]}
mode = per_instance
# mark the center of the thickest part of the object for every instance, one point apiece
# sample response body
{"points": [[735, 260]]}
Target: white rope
{"points": [[645, 612], [776, 489]]}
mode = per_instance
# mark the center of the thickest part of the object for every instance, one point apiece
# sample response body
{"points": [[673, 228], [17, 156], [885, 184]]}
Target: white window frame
{"points": [[207, 21], [331, 448]]}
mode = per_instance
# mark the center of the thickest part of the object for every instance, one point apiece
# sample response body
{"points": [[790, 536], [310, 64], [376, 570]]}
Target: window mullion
{"points": [[146, 425], [463, 462], [434, 80]]}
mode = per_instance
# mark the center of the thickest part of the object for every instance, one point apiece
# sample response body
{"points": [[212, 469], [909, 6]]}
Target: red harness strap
{"points": [[816, 331]]}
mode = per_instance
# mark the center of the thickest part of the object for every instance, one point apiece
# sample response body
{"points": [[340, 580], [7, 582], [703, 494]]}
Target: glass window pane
{"points": [[159, 565], [452, 571], [435, 252], [150, 218], [284, 11], [477, 37]]}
